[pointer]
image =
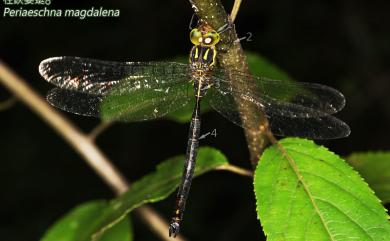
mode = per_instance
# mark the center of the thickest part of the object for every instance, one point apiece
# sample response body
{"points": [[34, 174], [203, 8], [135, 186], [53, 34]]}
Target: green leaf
{"points": [[309, 193], [126, 103], [72, 226], [260, 66], [102, 221], [375, 169], [154, 187], [183, 115]]}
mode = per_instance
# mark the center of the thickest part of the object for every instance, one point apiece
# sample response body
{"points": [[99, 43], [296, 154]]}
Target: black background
{"points": [[344, 44]]}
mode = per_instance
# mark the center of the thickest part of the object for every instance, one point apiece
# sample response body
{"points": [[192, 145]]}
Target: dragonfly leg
{"points": [[191, 25], [228, 25]]}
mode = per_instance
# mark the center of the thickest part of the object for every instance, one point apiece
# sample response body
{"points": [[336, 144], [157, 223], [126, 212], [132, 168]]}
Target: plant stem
{"points": [[71, 133], [235, 9], [231, 57], [81, 143], [236, 170], [99, 129]]}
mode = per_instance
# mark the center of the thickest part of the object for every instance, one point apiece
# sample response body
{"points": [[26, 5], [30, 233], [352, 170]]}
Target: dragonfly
{"points": [[140, 91]]}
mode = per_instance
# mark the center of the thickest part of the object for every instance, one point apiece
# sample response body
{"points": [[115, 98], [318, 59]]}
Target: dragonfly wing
{"points": [[75, 102], [147, 102], [321, 98], [320, 128], [98, 77], [126, 106], [129, 91], [317, 125]]}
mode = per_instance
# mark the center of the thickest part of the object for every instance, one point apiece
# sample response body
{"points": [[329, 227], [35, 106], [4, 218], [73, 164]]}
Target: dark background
{"points": [[344, 44]]}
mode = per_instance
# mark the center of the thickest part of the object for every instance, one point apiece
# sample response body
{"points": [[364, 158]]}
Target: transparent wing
{"points": [[116, 91], [98, 77], [128, 107], [286, 117], [75, 102], [285, 97]]}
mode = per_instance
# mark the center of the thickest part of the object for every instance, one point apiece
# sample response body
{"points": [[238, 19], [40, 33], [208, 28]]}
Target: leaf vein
{"points": [[345, 214], [341, 188], [296, 170]]}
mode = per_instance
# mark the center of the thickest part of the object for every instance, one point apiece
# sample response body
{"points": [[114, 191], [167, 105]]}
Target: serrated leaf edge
{"points": [[279, 146]]}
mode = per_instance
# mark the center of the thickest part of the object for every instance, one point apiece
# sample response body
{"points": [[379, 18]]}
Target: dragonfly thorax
{"points": [[202, 61], [202, 57]]}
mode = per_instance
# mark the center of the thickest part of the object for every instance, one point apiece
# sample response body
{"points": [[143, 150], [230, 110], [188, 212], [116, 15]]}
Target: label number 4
{"points": [[214, 133]]}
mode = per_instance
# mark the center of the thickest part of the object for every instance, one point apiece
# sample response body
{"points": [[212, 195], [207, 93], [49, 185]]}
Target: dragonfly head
{"points": [[204, 35], [203, 53]]}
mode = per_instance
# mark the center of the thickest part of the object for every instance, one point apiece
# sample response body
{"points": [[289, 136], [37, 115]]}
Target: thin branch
{"points": [[99, 129], [5, 105], [235, 169], [157, 223], [235, 9], [79, 141], [71, 133]]}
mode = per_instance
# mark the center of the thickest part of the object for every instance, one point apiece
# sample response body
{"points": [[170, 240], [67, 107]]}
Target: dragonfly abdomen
{"points": [[188, 171]]}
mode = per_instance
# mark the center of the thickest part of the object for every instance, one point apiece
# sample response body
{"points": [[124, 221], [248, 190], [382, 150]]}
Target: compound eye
{"points": [[196, 36], [211, 38]]}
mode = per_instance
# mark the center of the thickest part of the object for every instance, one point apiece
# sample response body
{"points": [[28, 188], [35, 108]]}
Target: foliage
{"points": [[309, 193], [375, 169], [73, 225], [306, 192], [151, 188]]}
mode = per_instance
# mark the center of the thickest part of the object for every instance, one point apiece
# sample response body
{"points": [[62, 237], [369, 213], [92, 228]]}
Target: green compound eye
{"points": [[211, 38], [196, 36]]}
